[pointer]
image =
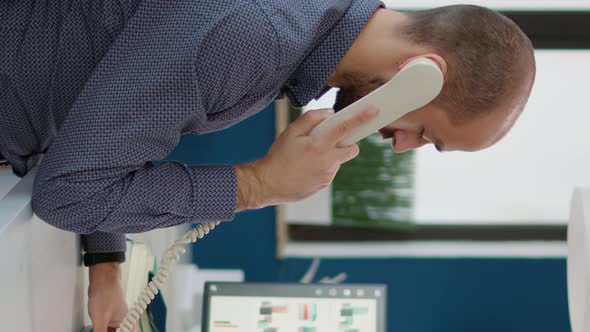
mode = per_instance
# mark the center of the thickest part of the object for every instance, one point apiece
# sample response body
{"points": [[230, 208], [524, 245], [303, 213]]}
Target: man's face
{"points": [[431, 124]]}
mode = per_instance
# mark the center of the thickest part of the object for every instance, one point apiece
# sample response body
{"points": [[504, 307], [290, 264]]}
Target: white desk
{"points": [[41, 288], [7, 180], [43, 283]]}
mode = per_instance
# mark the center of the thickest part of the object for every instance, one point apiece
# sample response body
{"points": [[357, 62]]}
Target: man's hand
{"points": [[106, 301], [298, 164]]}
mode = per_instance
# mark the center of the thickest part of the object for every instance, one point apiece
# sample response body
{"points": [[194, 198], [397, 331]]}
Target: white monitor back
{"points": [[578, 261]]}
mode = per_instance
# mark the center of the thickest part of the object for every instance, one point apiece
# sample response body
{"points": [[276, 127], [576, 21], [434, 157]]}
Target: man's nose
{"points": [[406, 141]]}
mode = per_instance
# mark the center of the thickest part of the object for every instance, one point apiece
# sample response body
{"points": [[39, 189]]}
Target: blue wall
{"points": [[424, 295]]}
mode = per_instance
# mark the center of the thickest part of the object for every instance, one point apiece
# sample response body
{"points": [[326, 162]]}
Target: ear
{"points": [[442, 63]]}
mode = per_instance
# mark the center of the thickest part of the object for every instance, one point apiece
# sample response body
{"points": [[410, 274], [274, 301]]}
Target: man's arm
{"points": [[97, 175]]}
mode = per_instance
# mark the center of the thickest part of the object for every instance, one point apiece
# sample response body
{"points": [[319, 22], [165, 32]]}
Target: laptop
{"points": [[280, 307]]}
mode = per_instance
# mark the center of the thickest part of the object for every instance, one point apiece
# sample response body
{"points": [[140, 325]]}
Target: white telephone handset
{"points": [[414, 86], [418, 83]]}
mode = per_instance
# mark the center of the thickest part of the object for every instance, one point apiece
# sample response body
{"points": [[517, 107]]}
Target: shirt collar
{"points": [[309, 79]]}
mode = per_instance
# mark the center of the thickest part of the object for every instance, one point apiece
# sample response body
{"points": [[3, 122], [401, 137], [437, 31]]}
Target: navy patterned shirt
{"points": [[102, 88]]}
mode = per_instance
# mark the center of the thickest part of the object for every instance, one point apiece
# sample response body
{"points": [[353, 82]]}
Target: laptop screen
{"points": [[277, 307]]}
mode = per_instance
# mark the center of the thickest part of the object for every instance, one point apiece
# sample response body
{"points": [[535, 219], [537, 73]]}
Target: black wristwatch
{"points": [[103, 257]]}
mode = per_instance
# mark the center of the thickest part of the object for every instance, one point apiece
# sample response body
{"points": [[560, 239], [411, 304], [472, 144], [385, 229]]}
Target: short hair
{"points": [[490, 59]]}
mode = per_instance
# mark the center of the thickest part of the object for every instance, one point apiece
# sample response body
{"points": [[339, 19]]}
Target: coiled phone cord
{"points": [[169, 258]]}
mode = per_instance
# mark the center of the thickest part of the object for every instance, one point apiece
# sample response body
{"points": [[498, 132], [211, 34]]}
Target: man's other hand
{"points": [[106, 301]]}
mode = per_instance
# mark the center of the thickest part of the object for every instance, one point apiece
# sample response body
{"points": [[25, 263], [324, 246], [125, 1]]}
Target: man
{"points": [[103, 89]]}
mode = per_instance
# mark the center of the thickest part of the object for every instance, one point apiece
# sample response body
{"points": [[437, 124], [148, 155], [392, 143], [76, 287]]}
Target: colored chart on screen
{"points": [[261, 314]]}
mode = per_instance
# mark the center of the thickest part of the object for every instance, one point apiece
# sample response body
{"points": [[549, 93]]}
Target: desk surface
{"points": [[7, 180], [40, 266]]}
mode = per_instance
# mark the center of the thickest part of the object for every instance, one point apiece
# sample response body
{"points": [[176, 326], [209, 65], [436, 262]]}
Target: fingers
{"points": [[108, 320], [100, 322], [104, 326], [114, 329], [99, 327], [306, 122], [347, 153], [333, 135]]}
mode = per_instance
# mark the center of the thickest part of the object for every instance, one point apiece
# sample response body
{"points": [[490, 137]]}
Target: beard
{"points": [[358, 85]]}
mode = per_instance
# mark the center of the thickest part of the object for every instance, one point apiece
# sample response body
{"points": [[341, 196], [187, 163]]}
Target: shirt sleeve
{"points": [[97, 176], [101, 242]]}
